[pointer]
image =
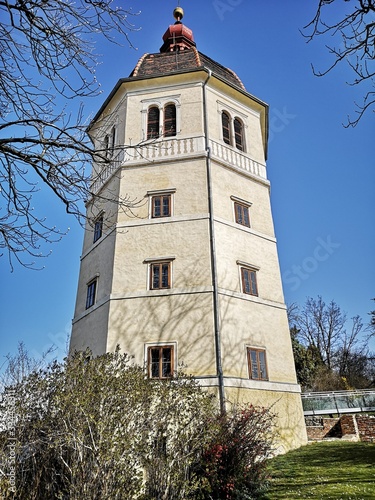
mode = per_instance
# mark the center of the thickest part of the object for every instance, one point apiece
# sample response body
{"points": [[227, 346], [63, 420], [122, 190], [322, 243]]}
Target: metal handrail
{"points": [[355, 401]]}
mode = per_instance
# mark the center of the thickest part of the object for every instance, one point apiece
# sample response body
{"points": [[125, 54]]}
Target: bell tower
{"points": [[188, 274]]}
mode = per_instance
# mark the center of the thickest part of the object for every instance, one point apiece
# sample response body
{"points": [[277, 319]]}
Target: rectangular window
{"points": [[160, 362], [98, 228], [161, 206], [242, 214], [249, 281], [257, 364], [160, 275], [91, 293]]}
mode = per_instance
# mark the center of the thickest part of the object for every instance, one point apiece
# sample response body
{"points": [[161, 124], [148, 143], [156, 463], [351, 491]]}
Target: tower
{"points": [[189, 274]]}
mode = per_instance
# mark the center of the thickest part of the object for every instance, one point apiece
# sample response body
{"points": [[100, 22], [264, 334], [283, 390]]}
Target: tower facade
{"points": [[188, 274]]}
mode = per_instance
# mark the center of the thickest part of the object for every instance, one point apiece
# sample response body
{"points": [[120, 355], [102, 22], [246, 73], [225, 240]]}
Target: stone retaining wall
{"points": [[353, 427]]}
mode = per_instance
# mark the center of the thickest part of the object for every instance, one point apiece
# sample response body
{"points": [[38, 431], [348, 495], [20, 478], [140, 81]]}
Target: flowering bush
{"points": [[235, 461]]}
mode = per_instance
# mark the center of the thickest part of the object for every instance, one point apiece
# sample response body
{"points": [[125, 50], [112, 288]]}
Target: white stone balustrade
{"points": [[177, 148]]}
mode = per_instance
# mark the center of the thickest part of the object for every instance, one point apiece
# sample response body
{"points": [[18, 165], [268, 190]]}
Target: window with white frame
{"points": [[160, 275], [160, 361], [161, 203], [249, 281]]}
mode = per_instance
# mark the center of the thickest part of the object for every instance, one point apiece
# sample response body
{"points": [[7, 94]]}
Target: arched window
{"points": [[225, 119], [238, 134], [153, 119], [170, 120]]}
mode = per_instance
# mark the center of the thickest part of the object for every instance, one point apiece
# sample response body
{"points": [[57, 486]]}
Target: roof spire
{"points": [[178, 36]]}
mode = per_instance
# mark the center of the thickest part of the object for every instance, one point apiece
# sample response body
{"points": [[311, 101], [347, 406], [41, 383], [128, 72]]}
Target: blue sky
{"points": [[322, 175]]}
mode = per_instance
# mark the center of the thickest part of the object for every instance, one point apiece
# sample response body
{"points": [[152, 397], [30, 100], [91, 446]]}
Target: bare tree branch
{"points": [[356, 32], [46, 58]]}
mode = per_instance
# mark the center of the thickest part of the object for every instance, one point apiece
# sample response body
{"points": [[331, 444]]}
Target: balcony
{"points": [[178, 148]]}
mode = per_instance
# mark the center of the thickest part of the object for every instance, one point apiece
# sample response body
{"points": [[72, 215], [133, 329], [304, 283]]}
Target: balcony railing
{"points": [[177, 148], [338, 402]]}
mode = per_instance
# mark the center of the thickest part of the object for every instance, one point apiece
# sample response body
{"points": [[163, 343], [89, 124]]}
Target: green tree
{"points": [[354, 34], [47, 65], [307, 361]]}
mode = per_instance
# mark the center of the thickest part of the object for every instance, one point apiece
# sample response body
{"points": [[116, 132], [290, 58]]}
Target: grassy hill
{"points": [[334, 470]]}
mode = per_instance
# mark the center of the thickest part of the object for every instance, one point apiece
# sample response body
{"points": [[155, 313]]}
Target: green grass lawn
{"points": [[332, 470]]}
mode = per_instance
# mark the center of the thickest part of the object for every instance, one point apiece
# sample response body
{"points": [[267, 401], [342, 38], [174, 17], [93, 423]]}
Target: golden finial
{"points": [[178, 13]]}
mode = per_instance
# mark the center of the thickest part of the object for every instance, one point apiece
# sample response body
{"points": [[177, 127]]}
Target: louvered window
{"points": [[153, 123], [170, 120], [225, 118], [238, 134]]}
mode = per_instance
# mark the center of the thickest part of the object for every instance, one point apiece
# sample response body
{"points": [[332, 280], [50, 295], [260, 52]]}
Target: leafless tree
{"points": [[330, 352], [355, 36], [47, 67], [323, 326]]}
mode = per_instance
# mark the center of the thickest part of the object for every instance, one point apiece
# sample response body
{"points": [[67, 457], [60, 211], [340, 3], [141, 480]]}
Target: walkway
{"points": [[338, 402]]}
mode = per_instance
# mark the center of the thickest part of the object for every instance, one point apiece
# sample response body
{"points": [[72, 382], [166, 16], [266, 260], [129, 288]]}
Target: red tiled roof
{"points": [[165, 63]]}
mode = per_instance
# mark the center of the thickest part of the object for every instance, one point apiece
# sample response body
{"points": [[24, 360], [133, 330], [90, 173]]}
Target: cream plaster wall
{"points": [[128, 314], [290, 431], [91, 330], [182, 318]]}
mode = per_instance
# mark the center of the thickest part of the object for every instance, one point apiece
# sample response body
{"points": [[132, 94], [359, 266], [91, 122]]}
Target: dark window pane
{"points": [[160, 361], [246, 283], [155, 360], [262, 365], [238, 213], [160, 276], [153, 123], [166, 206], [113, 140], [226, 128], [161, 206], [170, 120], [249, 282], [258, 367], [253, 282], [157, 205], [156, 276], [98, 229], [91, 292], [242, 214], [254, 365], [165, 276], [238, 134], [106, 145], [167, 362]]}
